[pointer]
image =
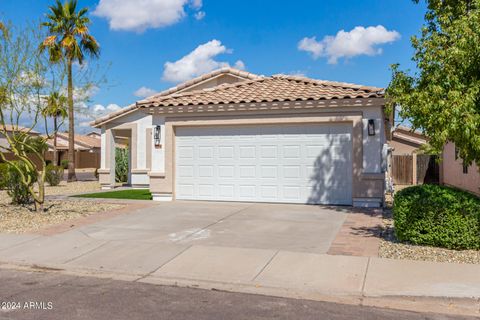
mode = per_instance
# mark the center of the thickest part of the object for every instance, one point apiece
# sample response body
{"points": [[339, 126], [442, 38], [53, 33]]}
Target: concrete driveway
{"points": [[145, 240], [244, 225]]}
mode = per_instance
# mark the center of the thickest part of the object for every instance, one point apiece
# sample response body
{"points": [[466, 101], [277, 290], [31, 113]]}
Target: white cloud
{"points": [[140, 15], [298, 73], [239, 65], [197, 4], [144, 92], [199, 61], [358, 41], [200, 15]]}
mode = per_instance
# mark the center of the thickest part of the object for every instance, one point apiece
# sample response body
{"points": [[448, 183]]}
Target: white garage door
{"points": [[281, 163]]}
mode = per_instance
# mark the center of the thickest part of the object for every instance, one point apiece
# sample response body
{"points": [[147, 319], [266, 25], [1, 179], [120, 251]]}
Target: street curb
{"points": [[445, 305]]}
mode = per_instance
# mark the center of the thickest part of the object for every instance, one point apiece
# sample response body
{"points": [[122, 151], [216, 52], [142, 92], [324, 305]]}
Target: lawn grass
{"points": [[132, 194]]}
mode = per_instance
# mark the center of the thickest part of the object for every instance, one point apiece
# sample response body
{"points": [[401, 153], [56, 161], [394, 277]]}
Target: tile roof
{"points": [[81, 142], [10, 128], [267, 89], [215, 73], [253, 88]]}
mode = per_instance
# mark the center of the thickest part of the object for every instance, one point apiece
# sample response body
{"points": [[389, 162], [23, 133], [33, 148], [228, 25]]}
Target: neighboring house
{"points": [[406, 141], [9, 130], [408, 164], [87, 150], [230, 135], [454, 173], [4, 142], [94, 134]]}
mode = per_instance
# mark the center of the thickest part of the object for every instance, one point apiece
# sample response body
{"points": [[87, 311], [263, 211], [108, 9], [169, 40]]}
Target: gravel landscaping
{"points": [[72, 188], [391, 248], [18, 219]]}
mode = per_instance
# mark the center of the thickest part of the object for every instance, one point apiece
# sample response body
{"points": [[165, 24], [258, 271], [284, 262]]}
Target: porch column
{"points": [[106, 174]]}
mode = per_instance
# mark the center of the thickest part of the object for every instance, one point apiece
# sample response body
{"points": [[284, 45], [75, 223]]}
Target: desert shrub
{"points": [[121, 165], [18, 191], [3, 175], [54, 174], [64, 164], [437, 216]]}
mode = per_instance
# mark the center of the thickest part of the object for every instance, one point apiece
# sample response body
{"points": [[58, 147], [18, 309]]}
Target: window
{"points": [[465, 169], [456, 153]]}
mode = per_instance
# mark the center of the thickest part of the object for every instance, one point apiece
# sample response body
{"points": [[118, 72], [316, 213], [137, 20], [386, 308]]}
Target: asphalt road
{"points": [[53, 296]]}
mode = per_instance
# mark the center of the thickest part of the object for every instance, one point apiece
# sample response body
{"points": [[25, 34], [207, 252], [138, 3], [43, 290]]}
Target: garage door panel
{"points": [[297, 164]]}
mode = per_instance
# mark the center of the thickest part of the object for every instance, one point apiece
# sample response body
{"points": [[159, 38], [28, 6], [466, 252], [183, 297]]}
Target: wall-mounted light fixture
{"points": [[157, 133], [371, 127]]}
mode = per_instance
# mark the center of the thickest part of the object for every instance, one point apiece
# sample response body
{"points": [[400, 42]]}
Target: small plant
{"points": [[54, 174], [18, 191], [437, 216], [121, 165], [64, 164]]}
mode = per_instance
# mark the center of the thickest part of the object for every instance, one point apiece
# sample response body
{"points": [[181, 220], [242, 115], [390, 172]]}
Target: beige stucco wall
{"points": [[452, 172], [402, 147], [368, 176]]}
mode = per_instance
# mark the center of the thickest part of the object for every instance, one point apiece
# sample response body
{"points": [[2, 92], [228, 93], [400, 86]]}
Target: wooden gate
{"points": [[402, 169]]}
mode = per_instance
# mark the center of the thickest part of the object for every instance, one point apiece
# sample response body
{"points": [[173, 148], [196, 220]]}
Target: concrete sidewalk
{"points": [[455, 288]]}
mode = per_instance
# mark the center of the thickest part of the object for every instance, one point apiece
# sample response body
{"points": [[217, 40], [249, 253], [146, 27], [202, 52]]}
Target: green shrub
{"points": [[437, 216], [15, 188], [121, 165], [3, 175], [64, 164], [54, 174]]}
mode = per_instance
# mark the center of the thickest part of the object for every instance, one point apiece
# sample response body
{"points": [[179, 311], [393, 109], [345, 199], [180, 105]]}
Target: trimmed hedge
{"points": [[437, 216]]}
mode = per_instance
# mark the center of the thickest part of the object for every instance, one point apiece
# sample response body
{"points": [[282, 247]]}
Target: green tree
{"points": [[69, 41], [55, 108], [443, 96], [23, 86]]}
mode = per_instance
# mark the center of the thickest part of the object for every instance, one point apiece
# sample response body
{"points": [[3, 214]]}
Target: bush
{"points": [[121, 165], [15, 188], [3, 175], [54, 174], [64, 164], [437, 216]]}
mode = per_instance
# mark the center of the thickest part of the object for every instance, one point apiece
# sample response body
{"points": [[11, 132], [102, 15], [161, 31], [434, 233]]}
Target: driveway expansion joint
{"points": [[266, 265], [87, 252], [148, 274]]}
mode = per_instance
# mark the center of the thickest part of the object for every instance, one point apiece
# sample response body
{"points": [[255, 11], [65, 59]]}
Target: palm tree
{"points": [[69, 40], [55, 108]]}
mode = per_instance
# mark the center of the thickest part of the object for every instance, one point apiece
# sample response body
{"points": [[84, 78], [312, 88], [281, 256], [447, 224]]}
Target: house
{"points": [[408, 164], [231, 135], [455, 174], [406, 141], [94, 134], [87, 150], [10, 129]]}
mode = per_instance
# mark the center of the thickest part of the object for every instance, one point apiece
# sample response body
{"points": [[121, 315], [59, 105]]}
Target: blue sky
{"points": [[139, 38]]}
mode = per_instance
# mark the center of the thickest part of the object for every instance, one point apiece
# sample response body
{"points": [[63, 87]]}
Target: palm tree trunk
{"points": [[55, 152], [71, 126]]}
